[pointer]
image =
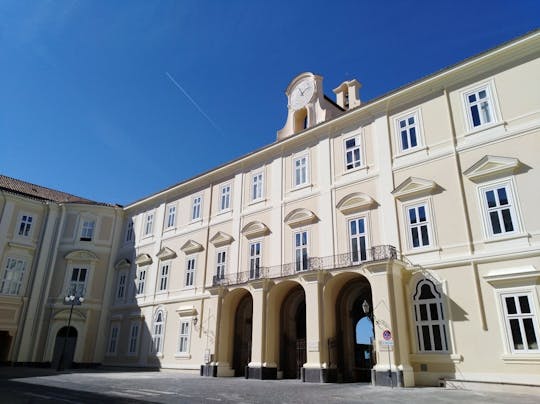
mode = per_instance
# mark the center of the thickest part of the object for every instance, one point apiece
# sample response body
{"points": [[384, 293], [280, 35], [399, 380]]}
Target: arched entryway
{"points": [[353, 343], [243, 323], [293, 333], [5, 344], [64, 347]]}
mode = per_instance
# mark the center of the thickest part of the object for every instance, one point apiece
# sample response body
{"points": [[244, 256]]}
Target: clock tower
{"points": [[307, 105]]}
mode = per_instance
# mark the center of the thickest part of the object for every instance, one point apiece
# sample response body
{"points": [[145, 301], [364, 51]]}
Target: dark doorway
{"points": [[354, 334], [293, 334], [67, 336], [242, 335], [5, 345]]}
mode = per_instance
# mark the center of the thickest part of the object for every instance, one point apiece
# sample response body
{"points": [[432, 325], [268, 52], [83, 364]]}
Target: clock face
{"points": [[302, 93]]}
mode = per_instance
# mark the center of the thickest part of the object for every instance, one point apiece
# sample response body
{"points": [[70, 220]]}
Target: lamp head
{"points": [[365, 307]]}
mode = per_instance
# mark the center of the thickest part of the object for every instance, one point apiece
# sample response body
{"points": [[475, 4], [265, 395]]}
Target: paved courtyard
{"points": [[26, 385]]}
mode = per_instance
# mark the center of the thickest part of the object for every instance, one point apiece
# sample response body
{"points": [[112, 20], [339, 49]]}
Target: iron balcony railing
{"points": [[373, 254]]}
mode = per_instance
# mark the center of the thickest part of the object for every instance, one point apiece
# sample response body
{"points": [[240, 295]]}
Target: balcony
{"points": [[329, 263]]}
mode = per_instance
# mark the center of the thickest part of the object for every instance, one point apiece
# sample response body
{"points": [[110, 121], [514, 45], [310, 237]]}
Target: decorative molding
{"points": [[414, 187], [81, 255], [255, 229], [221, 238], [512, 275], [355, 202], [143, 259], [166, 253], [492, 166], [186, 311], [300, 217], [124, 263], [191, 247]]}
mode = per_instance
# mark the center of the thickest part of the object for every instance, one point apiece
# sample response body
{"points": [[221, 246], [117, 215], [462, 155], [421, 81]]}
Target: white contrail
{"points": [[195, 104]]}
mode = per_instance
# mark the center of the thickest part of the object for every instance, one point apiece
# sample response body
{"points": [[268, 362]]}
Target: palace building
{"points": [[394, 241]]}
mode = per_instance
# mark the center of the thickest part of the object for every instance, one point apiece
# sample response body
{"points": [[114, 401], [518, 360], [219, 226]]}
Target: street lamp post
{"points": [[72, 300], [366, 310]]}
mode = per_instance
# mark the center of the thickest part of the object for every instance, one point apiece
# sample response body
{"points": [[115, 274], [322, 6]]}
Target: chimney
{"points": [[347, 94]]}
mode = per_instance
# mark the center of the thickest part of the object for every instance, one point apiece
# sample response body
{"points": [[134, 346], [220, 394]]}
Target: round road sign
{"points": [[387, 335]]}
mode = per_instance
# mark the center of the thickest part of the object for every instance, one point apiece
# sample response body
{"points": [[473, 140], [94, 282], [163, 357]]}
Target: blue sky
{"points": [[87, 105]]}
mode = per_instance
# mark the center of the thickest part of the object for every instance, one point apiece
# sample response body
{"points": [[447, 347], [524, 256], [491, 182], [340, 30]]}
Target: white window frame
{"points": [[488, 87], [158, 333], [428, 223], [121, 286], [441, 323], [530, 293], [171, 216], [77, 286], [356, 163], [11, 282], [148, 225], [301, 250], [191, 270], [130, 231], [196, 208], [513, 207], [256, 186], [184, 333], [163, 278], [254, 259], [417, 116], [134, 331], [26, 225], [139, 291], [225, 195], [88, 229], [300, 171], [222, 255], [112, 343], [358, 237]]}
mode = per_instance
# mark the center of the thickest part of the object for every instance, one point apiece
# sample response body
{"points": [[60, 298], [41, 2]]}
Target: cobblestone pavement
{"points": [[30, 385]]}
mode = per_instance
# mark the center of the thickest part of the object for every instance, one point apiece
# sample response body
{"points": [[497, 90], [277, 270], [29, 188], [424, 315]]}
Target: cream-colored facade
{"points": [[412, 216]]}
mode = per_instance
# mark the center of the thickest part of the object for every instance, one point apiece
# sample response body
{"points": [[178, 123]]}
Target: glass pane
{"points": [[472, 98], [530, 335], [425, 237], [490, 196], [350, 143], [413, 137], [437, 338], [361, 228], [422, 213], [510, 305], [426, 293], [412, 215], [402, 123], [433, 311], [516, 334], [423, 312], [427, 341], [495, 223], [304, 238], [75, 274], [363, 248], [415, 239], [503, 199], [411, 120], [507, 220], [353, 227], [404, 140], [524, 304], [475, 115], [482, 94], [357, 156]]}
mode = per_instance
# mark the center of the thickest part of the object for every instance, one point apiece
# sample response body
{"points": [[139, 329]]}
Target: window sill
{"points": [[362, 169], [169, 229], [533, 357], [477, 129], [435, 357], [224, 211], [256, 201], [182, 356], [301, 187], [506, 237], [422, 250], [197, 220]]}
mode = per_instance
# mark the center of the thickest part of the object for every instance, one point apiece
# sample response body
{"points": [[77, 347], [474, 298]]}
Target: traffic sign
{"points": [[387, 335]]}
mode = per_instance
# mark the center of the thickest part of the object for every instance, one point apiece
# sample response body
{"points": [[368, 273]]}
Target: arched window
{"points": [[429, 318], [158, 332]]}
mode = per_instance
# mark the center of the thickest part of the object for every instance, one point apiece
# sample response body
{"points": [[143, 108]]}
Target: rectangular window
{"points": [[500, 212], [225, 198], [13, 276], [221, 264], [352, 153], [171, 216], [129, 231], [257, 186], [149, 224], [113, 340], [183, 339], [141, 279], [301, 251], [521, 322], [255, 260], [25, 225], [479, 107], [190, 271], [121, 290], [133, 338], [163, 277], [196, 208], [300, 171], [418, 223], [358, 234], [87, 231], [408, 132], [78, 281]]}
